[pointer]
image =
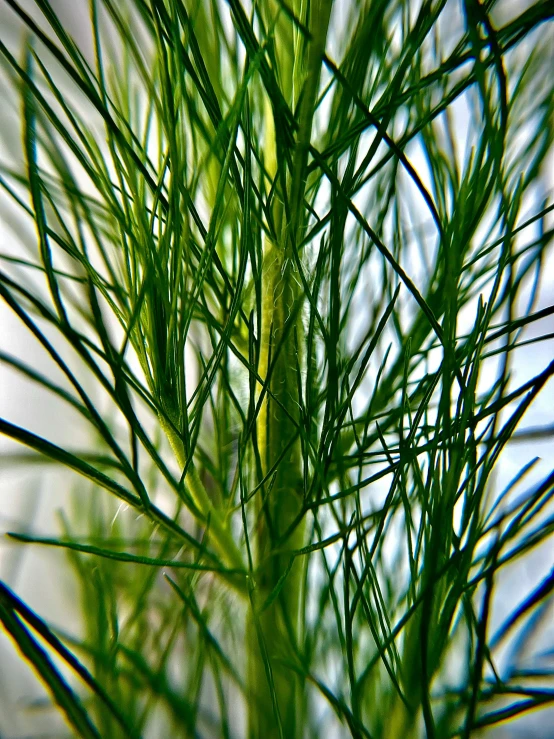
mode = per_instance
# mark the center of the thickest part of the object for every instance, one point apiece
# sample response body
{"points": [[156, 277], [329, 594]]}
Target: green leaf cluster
{"points": [[287, 261]]}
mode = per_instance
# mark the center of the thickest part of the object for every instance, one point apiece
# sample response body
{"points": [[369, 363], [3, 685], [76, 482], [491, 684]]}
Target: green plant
{"points": [[286, 257]]}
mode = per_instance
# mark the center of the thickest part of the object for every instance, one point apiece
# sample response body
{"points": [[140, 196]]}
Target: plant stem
{"points": [[277, 706], [220, 535]]}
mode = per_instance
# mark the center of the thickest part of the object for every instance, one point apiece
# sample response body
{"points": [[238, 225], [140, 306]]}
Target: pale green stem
{"points": [[219, 533], [276, 428]]}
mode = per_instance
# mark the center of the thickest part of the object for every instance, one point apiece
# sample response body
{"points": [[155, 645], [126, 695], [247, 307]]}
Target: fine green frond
{"points": [[287, 268]]}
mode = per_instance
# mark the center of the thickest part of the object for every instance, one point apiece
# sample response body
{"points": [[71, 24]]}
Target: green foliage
{"points": [[287, 259]]}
